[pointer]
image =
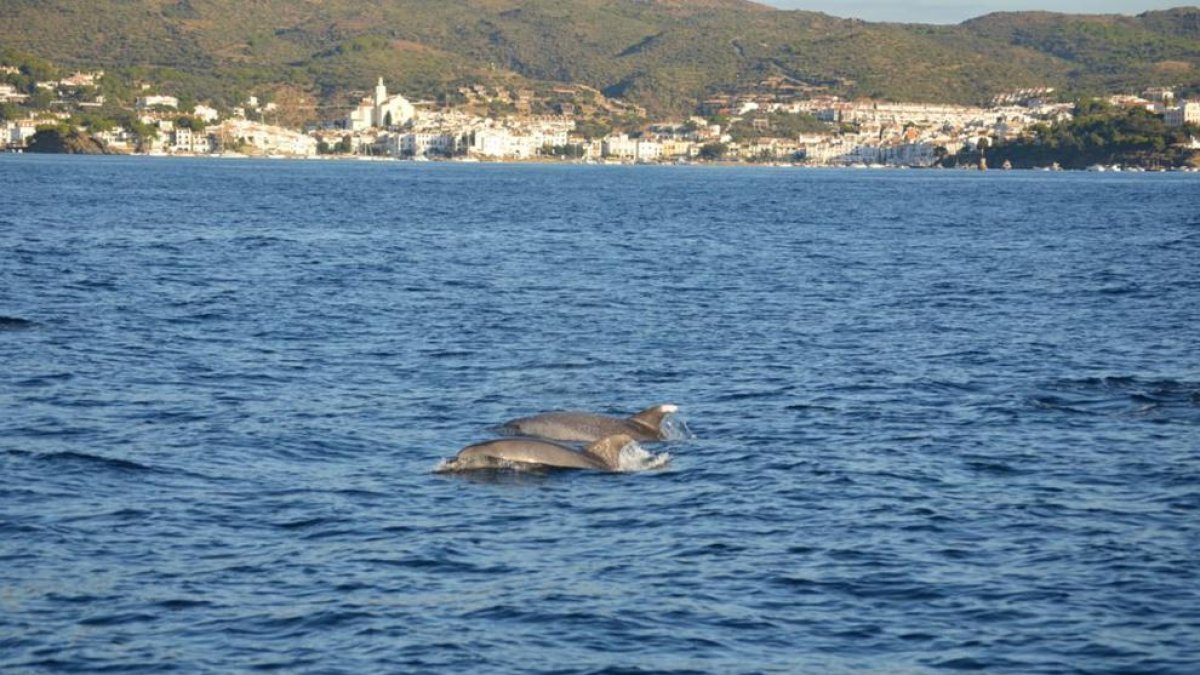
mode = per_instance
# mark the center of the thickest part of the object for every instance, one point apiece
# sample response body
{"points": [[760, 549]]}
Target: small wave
{"points": [[179, 604], [734, 397], [200, 317], [15, 323], [258, 241], [1129, 289], [305, 523], [961, 663], [995, 468], [1153, 399], [93, 284], [45, 380], [70, 456], [68, 598], [117, 619]]}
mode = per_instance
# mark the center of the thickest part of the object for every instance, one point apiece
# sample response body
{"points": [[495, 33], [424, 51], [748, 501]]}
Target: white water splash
{"points": [[634, 457], [675, 429]]}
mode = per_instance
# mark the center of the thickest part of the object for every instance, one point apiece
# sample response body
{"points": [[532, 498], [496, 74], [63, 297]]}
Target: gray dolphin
{"points": [[587, 427], [603, 455]]}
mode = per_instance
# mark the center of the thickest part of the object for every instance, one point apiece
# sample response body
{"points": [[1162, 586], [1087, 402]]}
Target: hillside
{"points": [[1108, 52], [664, 54]]}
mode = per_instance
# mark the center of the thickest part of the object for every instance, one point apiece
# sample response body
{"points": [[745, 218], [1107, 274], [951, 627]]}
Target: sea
{"points": [[939, 420]]}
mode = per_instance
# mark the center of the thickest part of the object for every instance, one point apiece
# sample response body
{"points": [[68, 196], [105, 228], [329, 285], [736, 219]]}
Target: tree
{"points": [[143, 131], [713, 151], [10, 111], [570, 151], [40, 99], [93, 123], [190, 122]]}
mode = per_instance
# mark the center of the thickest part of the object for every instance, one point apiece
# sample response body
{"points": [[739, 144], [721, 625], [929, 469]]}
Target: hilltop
{"points": [[666, 55]]}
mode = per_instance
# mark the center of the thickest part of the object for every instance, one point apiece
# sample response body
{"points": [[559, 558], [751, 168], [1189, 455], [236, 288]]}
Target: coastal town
{"points": [[779, 123]]}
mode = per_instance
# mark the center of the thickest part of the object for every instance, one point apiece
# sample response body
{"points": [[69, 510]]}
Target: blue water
{"points": [[944, 421]]}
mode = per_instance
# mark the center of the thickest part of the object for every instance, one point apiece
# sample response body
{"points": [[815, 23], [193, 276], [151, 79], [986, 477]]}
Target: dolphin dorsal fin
{"points": [[608, 450], [652, 417]]}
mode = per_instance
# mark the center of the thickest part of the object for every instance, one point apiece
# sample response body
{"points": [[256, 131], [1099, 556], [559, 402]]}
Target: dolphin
{"points": [[603, 455], [588, 427]]}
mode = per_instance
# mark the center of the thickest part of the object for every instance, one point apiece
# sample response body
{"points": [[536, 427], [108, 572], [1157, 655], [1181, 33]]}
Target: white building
{"points": [[620, 147], [82, 79], [188, 141], [624, 147], [649, 151], [543, 137], [151, 101], [117, 138], [266, 138], [206, 113], [502, 143], [18, 132], [908, 154], [9, 94], [825, 149], [421, 144], [1187, 112], [871, 112], [747, 107], [380, 111], [360, 118]]}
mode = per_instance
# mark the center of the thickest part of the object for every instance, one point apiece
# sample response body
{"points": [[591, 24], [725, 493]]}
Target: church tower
{"points": [[380, 93], [380, 101]]}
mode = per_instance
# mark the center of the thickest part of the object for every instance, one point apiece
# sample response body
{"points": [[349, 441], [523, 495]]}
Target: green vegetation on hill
{"points": [[663, 54], [1110, 52], [62, 140]]}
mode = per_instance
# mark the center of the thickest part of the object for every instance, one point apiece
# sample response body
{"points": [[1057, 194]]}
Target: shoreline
{"points": [[966, 169]]}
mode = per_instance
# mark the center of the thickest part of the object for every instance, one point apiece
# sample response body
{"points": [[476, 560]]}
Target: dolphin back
{"points": [[524, 451], [569, 426], [652, 418]]}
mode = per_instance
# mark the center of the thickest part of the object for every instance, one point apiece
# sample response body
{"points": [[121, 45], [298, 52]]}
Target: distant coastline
{"points": [[548, 161]]}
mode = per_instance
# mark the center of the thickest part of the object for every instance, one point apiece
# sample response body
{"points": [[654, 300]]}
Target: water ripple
{"points": [[935, 429]]}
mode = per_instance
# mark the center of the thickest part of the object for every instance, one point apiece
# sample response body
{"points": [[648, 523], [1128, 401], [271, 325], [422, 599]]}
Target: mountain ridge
{"points": [[666, 55]]}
